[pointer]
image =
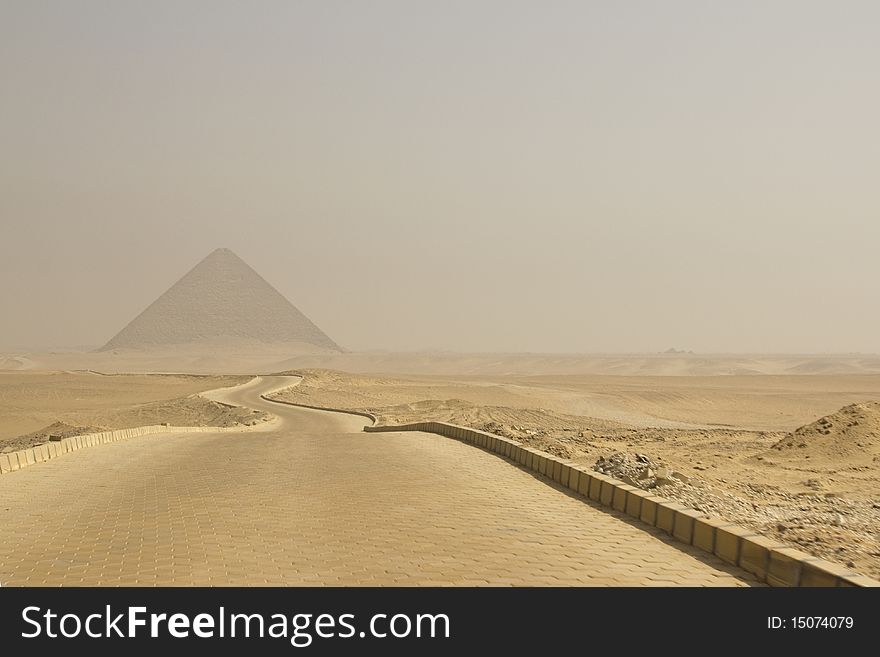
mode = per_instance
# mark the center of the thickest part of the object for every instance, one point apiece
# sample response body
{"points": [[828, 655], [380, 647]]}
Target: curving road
{"points": [[312, 500]]}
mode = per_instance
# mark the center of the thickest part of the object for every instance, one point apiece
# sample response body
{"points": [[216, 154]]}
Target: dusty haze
{"points": [[470, 176]]}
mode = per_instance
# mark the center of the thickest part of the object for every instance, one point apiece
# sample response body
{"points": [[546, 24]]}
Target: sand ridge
{"points": [[227, 354]]}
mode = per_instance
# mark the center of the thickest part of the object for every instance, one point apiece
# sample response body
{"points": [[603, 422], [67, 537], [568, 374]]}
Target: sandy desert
{"points": [[794, 456]]}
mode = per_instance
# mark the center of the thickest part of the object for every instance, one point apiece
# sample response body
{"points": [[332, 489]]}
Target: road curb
{"points": [[12, 461], [770, 561], [346, 411]]}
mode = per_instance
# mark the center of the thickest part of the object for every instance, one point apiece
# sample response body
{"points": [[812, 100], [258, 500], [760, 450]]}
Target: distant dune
{"points": [[220, 355]]}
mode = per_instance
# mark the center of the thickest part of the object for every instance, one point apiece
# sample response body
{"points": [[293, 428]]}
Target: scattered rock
{"points": [[635, 469], [681, 477]]}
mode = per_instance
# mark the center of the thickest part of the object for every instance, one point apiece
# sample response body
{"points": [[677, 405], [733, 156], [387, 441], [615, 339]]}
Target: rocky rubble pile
{"points": [[638, 470]]}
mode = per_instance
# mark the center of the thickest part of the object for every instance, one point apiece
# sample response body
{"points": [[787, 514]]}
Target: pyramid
{"points": [[220, 300]]}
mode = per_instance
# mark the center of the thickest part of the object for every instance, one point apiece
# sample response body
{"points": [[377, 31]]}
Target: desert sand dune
{"points": [[236, 353]]}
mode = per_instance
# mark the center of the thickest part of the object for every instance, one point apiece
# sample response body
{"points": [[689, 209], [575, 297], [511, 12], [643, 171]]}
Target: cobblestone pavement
{"points": [[317, 502]]}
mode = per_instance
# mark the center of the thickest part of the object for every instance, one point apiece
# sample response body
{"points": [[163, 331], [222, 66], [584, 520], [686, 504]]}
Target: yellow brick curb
{"points": [[767, 559], [265, 397], [12, 461]]}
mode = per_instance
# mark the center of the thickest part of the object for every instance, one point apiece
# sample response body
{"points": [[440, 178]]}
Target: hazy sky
{"points": [[479, 176]]}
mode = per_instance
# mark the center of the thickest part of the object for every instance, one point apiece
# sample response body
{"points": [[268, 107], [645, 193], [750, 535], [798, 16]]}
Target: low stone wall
{"points": [[770, 561], [12, 461], [369, 416]]}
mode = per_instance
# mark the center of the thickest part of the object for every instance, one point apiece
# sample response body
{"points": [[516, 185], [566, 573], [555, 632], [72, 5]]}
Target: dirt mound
{"points": [[194, 411], [638, 470], [426, 406], [852, 433], [55, 431]]}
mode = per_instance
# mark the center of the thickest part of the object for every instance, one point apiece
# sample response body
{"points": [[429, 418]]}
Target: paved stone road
{"points": [[317, 502]]}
